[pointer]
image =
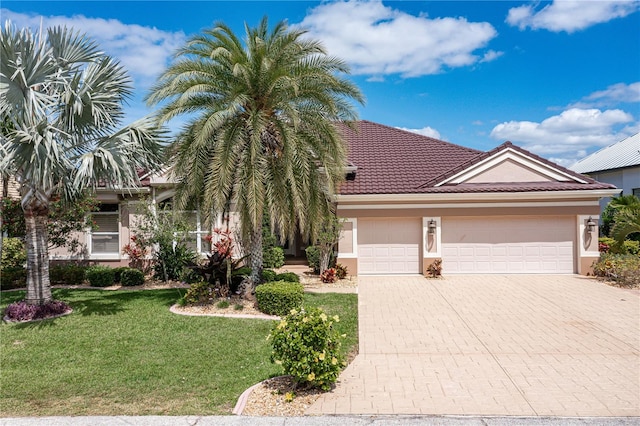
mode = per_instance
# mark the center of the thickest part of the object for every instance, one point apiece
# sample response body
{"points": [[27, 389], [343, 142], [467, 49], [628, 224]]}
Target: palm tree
{"points": [[261, 128], [627, 221], [63, 98]]}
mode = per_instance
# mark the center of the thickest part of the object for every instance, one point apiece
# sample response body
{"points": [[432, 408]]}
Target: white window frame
{"points": [[91, 233]]}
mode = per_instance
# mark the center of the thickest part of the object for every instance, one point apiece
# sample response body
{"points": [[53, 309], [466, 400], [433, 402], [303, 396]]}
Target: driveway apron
{"points": [[515, 345]]}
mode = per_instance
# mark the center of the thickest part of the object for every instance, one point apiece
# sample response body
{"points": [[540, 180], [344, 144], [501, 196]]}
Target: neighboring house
{"points": [[414, 199], [618, 164], [410, 199]]}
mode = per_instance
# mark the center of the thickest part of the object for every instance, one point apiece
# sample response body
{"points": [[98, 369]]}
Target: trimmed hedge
{"points": [[279, 297], [290, 277], [268, 275], [68, 274], [131, 277], [100, 276], [13, 277], [273, 257], [117, 273]]}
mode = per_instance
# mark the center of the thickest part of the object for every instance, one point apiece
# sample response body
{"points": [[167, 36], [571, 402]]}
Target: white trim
{"points": [[425, 237], [581, 230], [90, 233], [354, 239], [510, 154], [466, 205], [479, 196]]}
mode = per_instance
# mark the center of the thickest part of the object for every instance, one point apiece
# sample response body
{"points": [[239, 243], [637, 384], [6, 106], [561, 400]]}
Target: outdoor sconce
{"points": [[431, 227], [591, 225]]}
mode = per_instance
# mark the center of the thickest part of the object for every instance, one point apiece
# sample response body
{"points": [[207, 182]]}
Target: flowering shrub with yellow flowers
{"points": [[307, 346]]}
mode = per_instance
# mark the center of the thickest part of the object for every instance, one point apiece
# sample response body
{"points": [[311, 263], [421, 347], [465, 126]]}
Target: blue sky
{"points": [[560, 78]]}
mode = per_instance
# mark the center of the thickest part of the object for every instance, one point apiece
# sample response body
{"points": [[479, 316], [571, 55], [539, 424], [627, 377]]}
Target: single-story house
{"points": [[410, 199], [617, 164]]}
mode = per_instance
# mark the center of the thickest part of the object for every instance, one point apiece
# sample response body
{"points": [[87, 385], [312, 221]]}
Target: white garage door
{"points": [[508, 245], [389, 246]]}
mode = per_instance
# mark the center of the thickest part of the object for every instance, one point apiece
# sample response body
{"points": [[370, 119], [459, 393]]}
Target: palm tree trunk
{"points": [[38, 285], [255, 256]]}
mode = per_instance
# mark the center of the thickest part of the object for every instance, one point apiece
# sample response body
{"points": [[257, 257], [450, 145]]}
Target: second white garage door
{"points": [[508, 244], [389, 246]]}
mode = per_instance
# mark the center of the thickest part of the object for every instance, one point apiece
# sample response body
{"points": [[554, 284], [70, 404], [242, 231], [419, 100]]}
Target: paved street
{"points": [[519, 345]]}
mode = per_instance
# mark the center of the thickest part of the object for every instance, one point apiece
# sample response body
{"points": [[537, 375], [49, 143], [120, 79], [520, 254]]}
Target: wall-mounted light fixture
{"points": [[431, 227], [591, 225]]}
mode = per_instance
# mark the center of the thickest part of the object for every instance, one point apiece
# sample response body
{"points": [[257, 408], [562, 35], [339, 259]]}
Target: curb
{"points": [[242, 400]]}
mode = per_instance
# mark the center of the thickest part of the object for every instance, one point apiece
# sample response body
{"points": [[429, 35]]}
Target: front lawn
{"points": [[124, 353]]}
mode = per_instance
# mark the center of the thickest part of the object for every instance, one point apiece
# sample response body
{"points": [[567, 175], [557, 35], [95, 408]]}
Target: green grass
{"points": [[124, 353]]}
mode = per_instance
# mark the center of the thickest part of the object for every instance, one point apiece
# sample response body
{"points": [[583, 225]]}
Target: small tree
{"points": [[327, 237], [164, 232], [65, 220]]}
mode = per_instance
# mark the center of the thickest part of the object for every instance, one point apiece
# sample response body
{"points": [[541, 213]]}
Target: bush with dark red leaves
{"points": [[21, 311]]}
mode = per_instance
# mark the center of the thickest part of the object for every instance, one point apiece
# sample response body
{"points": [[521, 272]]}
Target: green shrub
{"points": [[67, 274], [290, 277], [308, 347], [14, 255], [273, 257], [245, 271], [279, 297], [13, 277], [223, 304], [117, 273], [100, 276], [268, 275], [632, 247], [313, 258], [131, 277], [613, 247], [199, 293], [622, 269], [171, 261]]}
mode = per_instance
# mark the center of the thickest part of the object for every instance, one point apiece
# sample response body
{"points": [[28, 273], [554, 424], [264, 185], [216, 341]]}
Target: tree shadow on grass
{"points": [[111, 302]]}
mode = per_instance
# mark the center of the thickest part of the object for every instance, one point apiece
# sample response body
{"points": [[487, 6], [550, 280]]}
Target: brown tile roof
{"points": [[394, 161]]}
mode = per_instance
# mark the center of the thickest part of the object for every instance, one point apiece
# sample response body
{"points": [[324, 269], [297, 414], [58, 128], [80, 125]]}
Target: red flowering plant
{"points": [[218, 270], [137, 252]]}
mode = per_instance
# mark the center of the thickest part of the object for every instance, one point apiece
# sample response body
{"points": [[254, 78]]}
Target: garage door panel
{"points": [[389, 246], [508, 245]]}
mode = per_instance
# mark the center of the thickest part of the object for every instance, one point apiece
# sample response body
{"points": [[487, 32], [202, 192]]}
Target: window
{"points": [[636, 192], [197, 240], [105, 239]]}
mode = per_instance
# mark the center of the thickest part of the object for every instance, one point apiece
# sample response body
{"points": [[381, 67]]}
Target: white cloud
{"points": [[425, 131], [491, 55], [570, 15], [143, 51], [379, 40], [574, 130], [612, 95]]}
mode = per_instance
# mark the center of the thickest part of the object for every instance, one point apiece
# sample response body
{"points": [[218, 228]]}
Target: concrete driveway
{"points": [[518, 345]]}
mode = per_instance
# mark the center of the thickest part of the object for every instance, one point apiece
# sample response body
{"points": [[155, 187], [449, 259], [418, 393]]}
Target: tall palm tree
{"points": [[261, 128], [63, 98]]}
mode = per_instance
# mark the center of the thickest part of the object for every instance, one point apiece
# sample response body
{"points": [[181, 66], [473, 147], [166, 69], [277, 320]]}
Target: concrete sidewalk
{"points": [[511, 345], [311, 421]]}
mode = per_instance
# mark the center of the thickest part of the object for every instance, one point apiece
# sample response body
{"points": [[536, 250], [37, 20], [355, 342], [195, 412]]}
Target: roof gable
{"points": [[510, 164]]}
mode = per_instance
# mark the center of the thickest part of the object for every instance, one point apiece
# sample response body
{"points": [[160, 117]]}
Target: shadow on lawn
{"points": [[90, 302]]}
